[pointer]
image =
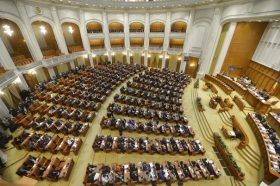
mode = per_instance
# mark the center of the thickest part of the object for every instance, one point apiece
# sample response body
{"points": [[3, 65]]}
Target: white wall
{"points": [[268, 50]]}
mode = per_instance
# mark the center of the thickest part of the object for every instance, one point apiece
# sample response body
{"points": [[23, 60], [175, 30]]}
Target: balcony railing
{"points": [[62, 59], [7, 78]]}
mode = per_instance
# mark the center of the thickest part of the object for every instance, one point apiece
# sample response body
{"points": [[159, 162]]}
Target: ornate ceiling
{"points": [[137, 4]]}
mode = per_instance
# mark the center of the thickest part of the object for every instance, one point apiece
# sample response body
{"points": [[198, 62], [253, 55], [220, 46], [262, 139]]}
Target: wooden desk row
{"points": [[146, 145], [148, 127], [274, 121], [258, 104], [234, 169], [51, 124], [40, 168], [268, 158], [147, 172], [244, 138], [44, 142], [234, 85], [218, 82], [148, 103], [146, 113]]}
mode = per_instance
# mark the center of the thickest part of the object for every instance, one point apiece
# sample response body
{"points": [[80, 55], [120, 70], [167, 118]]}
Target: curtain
{"points": [[14, 90], [8, 98]]}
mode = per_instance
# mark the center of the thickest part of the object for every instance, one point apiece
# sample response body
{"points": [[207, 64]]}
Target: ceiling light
{"points": [[70, 29], [43, 29], [7, 30]]}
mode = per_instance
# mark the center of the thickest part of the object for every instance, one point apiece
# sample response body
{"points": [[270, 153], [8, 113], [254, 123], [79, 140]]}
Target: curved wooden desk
{"points": [[269, 174], [218, 82]]}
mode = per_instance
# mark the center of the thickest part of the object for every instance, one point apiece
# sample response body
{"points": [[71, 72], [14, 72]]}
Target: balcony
{"points": [[179, 35], [7, 78], [155, 48], [96, 35], [116, 34], [175, 50], [62, 59]]}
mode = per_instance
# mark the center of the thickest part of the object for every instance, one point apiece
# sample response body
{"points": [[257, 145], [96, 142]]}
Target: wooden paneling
{"points": [[157, 27], [96, 43], [76, 35], [94, 27], [191, 67], [176, 43], [16, 40], [136, 26], [156, 42], [179, 26], [243, 45], [264, 77], [31, 80], [48, 37], [115, 27], [137, 42], [117, 42]]}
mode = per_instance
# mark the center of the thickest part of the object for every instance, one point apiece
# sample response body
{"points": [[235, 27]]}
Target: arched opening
{"points": [[136, 27], [46, 39], [156, 42], [94, 27], [72, 37], [96, 44], [14, 42], [176, 43], [115, 27], [137, 42], [117, 42], [179, 26], [157, 27]]}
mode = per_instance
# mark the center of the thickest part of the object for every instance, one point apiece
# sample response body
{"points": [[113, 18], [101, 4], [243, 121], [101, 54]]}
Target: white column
{"points": [[51, 72], [126, 37], [28, 33], [83, 32], [146, 58], [146, 33], [106, 35], [210, 43], [166, 38], [90, 59], [183, 65], [4, 111], [22, 85], [163, 64], [127, 56], [225, 46], [72, 64], [60, 37], [186, 47], [5, 58]]}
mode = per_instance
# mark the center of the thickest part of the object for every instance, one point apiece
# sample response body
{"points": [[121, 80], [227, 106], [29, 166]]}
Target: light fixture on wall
{"points": [[7, 30], [70, 29], [143, 54], [124, 52], [17, 81], [43, 29], [1, 92], [93, 55], [179, 58], [32, 72], [192, 64], [160, 56]]}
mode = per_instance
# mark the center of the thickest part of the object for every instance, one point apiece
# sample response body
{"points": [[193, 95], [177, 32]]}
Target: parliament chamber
{"points": [[139, 92]]}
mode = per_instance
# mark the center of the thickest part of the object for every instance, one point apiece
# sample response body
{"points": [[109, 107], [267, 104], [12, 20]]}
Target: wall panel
{"points": [[242, 47]]}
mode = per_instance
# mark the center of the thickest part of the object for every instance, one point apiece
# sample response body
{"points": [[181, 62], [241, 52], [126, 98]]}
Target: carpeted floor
{"points": [[203, 123]]}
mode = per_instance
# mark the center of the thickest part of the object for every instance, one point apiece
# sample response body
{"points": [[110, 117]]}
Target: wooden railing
{"points": [[239, 103], [218, 82], [269, 174], [244, 138]]}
